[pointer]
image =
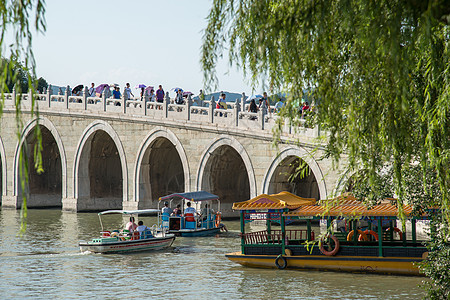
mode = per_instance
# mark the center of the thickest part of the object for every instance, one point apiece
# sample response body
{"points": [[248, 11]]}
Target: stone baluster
{"points": [[85, 95], [237, 109], [104, 99], [243, 102], [124, 101], [146, 100], [30, 98], [49, 95], [261, 116], [166, 105], [66, 97], [212, 107], [188, 107], [14, 97]]}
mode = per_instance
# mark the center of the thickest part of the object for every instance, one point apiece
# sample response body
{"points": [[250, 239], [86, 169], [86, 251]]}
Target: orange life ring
{"points": [[362, 235], [400, 233], [332, 252], [217, 220], [372, 233]]}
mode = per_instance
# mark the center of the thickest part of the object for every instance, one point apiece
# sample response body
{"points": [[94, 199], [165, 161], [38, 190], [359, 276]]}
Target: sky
{"points": [[147, 42]]}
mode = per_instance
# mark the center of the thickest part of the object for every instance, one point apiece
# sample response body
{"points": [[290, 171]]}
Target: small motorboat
{"points": [[124, 241], [186, 224]]}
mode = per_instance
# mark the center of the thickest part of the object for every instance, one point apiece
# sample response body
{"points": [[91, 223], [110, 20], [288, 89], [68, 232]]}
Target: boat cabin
{"points": [[206, 219]]}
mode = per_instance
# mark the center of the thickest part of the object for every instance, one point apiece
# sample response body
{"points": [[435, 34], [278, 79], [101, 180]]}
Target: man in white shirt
{"points": [[189, 209], [128, 92], [142, 228]]}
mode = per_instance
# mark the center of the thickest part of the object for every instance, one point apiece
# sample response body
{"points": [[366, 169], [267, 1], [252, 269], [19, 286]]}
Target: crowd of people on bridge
{"points": [[255, 103]]}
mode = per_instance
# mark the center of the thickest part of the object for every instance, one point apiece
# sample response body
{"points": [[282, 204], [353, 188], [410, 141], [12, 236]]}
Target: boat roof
{"points": [[129, 212], [192, 196], [348, 207], [275, 201]]}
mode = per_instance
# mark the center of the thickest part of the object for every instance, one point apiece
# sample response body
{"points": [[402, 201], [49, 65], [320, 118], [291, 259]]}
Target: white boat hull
{"points": [[116, 245]]}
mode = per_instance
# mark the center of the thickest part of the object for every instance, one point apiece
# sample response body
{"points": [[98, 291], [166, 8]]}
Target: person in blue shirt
{"points": [[116, 93], [166, 209]]}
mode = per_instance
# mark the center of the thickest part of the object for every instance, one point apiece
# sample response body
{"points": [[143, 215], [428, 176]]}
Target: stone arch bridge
{"points": [[102, 153]]}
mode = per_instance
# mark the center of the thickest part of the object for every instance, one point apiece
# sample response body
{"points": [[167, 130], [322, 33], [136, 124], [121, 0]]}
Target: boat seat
{"points": [[189, 220]]}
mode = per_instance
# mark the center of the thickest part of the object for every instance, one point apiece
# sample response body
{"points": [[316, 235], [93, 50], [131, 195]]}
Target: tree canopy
{"points": [[380, 72], [379, 68]]}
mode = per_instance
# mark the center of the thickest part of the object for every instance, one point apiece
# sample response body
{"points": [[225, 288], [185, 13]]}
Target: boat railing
{"points": [[275, 236]]}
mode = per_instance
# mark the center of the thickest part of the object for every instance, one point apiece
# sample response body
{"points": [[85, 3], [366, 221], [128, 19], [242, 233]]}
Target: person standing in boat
{"points": [[166, 209], [131, 226]]}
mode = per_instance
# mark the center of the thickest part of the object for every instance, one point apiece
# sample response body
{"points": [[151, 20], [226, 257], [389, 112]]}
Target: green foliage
{"points": [[437, 265], [379, 68], [19, 18], [380, 71]]}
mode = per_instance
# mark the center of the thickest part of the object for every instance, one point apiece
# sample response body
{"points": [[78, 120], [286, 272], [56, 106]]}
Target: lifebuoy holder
{"points": [[284, 262]]}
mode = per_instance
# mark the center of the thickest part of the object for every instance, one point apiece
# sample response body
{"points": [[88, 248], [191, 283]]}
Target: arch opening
{"points": [[45, 189], [161, 172], [287, 177], [100, 178], [226, 175]]}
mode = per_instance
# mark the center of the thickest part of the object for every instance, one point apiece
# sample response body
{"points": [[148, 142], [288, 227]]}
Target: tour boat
{"points": [[123, 241], [189, 224], [373, 249]]}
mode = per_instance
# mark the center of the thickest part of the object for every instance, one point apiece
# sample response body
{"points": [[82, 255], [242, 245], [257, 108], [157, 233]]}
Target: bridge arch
{"points": [[225, 146], [164, 138], [27, 130], [3, 165], [292, 153], [82, 160]]}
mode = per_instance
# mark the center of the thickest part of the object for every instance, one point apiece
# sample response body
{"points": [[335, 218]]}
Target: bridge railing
{"points": [[232, 116]]}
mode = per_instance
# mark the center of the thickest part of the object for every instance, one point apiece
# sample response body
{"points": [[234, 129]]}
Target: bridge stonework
{"points": [[98, 155]]}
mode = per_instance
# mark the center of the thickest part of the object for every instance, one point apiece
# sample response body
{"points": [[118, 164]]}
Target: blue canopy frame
{"points": [[192, 196]]}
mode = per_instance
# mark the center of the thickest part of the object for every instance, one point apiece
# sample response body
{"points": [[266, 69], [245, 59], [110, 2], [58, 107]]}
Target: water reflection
{"points": [[46, 263]]}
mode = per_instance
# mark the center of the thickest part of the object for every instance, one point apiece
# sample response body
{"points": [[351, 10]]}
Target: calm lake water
{"points": [[46, 263]]}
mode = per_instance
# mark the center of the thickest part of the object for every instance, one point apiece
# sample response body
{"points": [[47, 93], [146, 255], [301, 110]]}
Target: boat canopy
{"points": [[129, 212], [353, 209], [192, 196], [281, 200]]}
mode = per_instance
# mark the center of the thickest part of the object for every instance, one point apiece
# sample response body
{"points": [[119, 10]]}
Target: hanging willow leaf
{"points": [[17, 73]]}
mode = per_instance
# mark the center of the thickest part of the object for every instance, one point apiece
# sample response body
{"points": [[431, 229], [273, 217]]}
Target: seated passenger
{"points": [[131, 226], [177, 211], [190, 210], [206, 211], [143, 230]]}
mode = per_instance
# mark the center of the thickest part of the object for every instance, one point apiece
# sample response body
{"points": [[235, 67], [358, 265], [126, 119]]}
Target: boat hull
{"points": [[357, 264], [197, 232], [141, 245]]}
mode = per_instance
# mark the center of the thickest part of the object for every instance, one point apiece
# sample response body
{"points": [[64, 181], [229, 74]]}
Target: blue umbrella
{"points": [[177, 89], [253, 97], [140, 86]]}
